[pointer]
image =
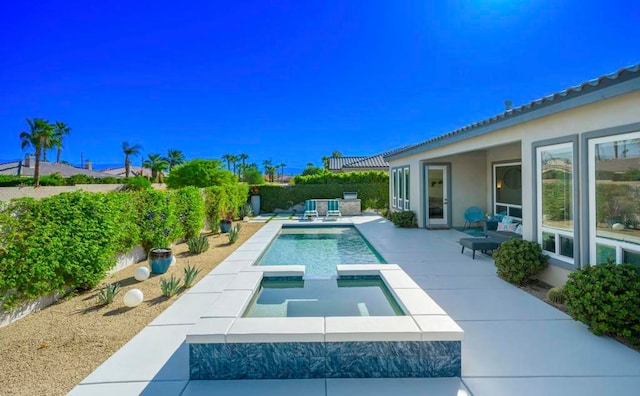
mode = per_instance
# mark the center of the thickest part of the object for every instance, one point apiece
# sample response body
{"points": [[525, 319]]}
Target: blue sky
{"points": [[291, 81]]}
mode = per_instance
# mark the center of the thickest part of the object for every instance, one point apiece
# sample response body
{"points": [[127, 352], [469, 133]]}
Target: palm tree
{"points": [[174, 158], [228, 157], [129, 151], [336, 154], [40, 131], [234, 161], [267, 164], [271, 171], [243, 157], [325, 161], [282, 165], [60, 129], [158, 164]]}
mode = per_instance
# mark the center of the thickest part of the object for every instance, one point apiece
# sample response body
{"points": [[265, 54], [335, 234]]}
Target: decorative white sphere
{"points": [[133, 298], [141, 273], [618, 226], [173, 260]]}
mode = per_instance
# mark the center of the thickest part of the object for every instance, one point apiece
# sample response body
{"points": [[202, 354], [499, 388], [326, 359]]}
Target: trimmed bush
{"points": [[137, 183], [606, 298], [158, 220], [519, 261], [404, 219]]}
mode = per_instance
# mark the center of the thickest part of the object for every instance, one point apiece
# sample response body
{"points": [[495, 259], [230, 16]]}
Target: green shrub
{"points": [[190, 274], [605, 297], [404, 219], [54, 179], [556, 295], [79, 179], [68, 240], [519, 261], [190, 211], [252, 175], [138, 183], [197, 245], [108, 293], [170, 287], [200, 173]]}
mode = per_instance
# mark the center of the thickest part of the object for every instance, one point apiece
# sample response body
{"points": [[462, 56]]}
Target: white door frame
{"points": [[440, 220]]}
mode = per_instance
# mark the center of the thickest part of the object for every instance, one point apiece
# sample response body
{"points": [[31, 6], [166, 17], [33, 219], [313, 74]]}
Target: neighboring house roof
{"points": [[17, 168], [120, 172], [360, 162], [517, 114]]}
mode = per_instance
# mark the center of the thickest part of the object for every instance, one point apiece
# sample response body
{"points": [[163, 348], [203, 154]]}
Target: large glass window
{"points": [[508, 189], [555, 202], [400, 188], [614, 198]]}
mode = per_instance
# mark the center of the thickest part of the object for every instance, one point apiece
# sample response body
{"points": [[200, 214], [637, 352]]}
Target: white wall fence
{"points": [[9, 193]]}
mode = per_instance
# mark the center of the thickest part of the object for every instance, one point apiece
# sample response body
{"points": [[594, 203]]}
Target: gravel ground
{"points": [[49, 352]]}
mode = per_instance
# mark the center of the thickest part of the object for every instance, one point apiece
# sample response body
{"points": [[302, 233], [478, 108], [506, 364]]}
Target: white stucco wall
{"points": [[513, 143]]}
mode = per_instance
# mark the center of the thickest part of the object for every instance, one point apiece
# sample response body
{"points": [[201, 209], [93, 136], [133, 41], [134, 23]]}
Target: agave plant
{"points": [[234, 233], [190, 274], [246, 210], [197, 245], [108, 293], [170, 286]]}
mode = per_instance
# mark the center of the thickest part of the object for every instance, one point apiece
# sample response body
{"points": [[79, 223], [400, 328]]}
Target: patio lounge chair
{"points": [[333, 208], [310, 208], [473, 214]]}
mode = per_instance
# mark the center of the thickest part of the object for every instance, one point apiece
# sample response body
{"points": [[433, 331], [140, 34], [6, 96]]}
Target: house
{"points": [[567, 166], [133, 171], [358, 164], [26, 168]]}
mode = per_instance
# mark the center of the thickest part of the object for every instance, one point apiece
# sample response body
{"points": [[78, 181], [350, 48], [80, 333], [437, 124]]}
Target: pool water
{"points": [[323, 297], [320, 249]]}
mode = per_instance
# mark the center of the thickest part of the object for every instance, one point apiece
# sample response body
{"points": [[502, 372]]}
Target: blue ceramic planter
{"points": [[160, 260], [225, 227]]}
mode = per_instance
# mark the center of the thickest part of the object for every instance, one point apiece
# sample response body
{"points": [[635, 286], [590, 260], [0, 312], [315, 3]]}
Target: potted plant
{"points": [[160, 258], [225, 222], [255, 200]]}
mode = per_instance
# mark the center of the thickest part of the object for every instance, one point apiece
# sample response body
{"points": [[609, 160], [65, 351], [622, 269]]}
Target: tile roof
{"points": [[360, 162], [17, 168], [622, 75]]}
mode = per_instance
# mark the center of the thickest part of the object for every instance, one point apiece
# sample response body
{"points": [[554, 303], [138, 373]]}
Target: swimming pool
{"points": [[320, 249], [347, 296]]}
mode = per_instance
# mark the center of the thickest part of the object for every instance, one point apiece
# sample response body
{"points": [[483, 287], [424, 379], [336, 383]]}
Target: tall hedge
{"points": [[274, 196], [224, 200], [190, 211], [72, 240], [67, 240], [326, 177]]}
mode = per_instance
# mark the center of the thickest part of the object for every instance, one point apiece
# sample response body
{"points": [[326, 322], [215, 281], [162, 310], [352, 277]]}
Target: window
{"points": [[555, 181], [614, 198], [400, 188], [507, 197]]}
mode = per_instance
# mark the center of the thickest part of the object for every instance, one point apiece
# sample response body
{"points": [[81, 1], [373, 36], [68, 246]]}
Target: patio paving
{"points": [[514, 343]]}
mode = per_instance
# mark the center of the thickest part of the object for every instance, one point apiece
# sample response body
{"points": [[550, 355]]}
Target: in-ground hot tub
{"points": [[424, 342]]}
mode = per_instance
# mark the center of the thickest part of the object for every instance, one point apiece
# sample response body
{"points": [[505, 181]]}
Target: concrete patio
{"points": [[514, 344]]}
